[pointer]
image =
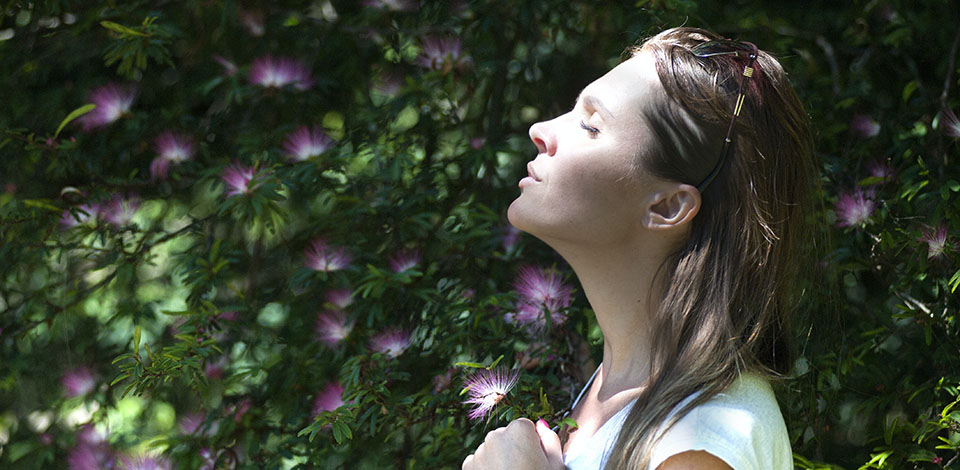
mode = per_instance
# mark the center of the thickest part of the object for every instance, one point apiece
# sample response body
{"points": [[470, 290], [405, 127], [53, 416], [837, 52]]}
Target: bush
{"points": [[277, 240]]}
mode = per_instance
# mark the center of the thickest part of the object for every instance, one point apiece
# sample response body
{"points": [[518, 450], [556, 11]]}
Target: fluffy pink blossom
{"points": [[949, 123], [511, 235], [329, 398], [145, 462], [279, 72], [229, 68], [404, 260], [486, 388], [443, 53], [85, 213], [387, 83], [332, 327], [112, 101], [394, 5], [880, 169], [78, 381], [477, 142], [864, 126], [91, 457], [172, 149], [341, 298], [936, 240], [239, 409], [392, 342], [305, 143], [119, 210], [854, 208], [238, 179], [540, 292], [323, 257], [189, 423]]}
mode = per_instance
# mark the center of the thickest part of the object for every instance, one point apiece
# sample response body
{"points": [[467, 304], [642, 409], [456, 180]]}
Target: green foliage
{"points": [[177, 307]]}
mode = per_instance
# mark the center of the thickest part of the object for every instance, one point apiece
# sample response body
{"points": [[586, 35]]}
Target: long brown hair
{"points": [[729, 292]]}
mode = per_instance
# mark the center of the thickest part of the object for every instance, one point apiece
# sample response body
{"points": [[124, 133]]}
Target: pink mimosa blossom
{"points": [[404, 260], [332, 327], [238, 179], [91, 457], [112, 101], [271, 72], [239, 409], [477, 142], [229, 68], [85, 213], [214, 369], [172, 149], [145, 462], [392, 342], [323, 257], [305, 143], [511, 235], [864, 126], [534, 315], [329, 399], [394, 5], [880, 169], [443, 53], [387, 83], [949, 123], [189, 423], [340, 298], [854, 208], [936, 240], [541, 292], [78, 381], [442, 381], [120, 210], [486, 388]]}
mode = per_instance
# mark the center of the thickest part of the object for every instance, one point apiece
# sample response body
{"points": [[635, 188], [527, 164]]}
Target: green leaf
{"points": [[474, 365], [73, 115], [119, 28], [136, 341], [908, 90]]}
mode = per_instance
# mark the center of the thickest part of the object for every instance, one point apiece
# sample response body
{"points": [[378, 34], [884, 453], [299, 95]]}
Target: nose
{"points": [[543, 137]]}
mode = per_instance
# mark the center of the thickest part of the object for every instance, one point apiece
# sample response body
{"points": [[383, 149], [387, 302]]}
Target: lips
{"points": [[531, 172]]}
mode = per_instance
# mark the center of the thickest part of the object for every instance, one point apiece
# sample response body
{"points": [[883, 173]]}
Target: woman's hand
{"points": [[521, 445]]}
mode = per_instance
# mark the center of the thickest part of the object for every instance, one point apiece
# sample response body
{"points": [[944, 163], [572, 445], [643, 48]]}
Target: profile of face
{"points": [[586, 185]]}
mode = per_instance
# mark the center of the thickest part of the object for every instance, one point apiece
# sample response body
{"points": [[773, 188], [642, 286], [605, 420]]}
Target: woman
{"points": [[676, 189]]}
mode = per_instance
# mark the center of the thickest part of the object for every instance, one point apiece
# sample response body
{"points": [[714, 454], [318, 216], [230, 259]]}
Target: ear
{"points": [[673, 207]]}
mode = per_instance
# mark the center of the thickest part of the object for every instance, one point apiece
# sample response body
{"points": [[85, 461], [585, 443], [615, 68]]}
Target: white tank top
{"points": [[742, 426]]}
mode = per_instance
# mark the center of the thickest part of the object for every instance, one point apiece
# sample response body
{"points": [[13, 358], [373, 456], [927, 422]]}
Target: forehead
{"points": [[627, 86]]}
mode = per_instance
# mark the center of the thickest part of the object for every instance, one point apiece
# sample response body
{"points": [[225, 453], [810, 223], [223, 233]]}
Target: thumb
{"points": [[550, 442]]}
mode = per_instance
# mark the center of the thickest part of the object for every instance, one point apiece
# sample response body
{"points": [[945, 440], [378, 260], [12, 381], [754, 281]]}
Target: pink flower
{"points": [[442, 54], [864, 126], [442, 381], [386, 83], [936, 240], [332, 327], [238, 179], [305, 143], [950, 124], [229, 67], [477, 142], [541, 292], [854, 208], [329, 399], [394, 5], [85, 213], [937, 460], [323, 257], [880, 169], [404, 260], [171, 149], [486, 388], [239, 409], [392, 342], [269, 72], [189, 423], [78, 381], [91, 457], [511, 235], [120, 210], [341, 298], [112, 101], [145, 462]]}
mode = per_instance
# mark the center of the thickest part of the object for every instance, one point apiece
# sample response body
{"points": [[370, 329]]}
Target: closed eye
{"points": [[592, 130]]}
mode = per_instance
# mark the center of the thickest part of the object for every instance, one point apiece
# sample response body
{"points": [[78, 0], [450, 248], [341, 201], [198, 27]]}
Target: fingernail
{"points": [[543, 423]]}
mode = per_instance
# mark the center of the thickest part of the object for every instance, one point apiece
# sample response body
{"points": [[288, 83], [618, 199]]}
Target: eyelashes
{"points": [[590, 129]]}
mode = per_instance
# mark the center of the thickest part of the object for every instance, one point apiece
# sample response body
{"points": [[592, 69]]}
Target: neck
{"points": [[618, 281]]}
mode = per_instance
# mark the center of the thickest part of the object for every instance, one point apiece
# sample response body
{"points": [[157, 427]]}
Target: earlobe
{"points": [[672, 209]]}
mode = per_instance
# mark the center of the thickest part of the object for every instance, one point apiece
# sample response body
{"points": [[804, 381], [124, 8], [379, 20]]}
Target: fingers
{"points": [[467, 463], [550, 442]]}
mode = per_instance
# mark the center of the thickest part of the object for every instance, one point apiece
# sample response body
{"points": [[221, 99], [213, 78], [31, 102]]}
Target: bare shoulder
{"points": [[694, 460]]}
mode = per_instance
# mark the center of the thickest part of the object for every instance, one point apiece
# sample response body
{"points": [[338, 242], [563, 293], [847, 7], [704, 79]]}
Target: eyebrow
{"points": [[595, 103]]}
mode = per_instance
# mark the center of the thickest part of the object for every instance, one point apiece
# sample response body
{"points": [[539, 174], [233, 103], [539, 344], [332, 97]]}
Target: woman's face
{"points": [[584, 185]]}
